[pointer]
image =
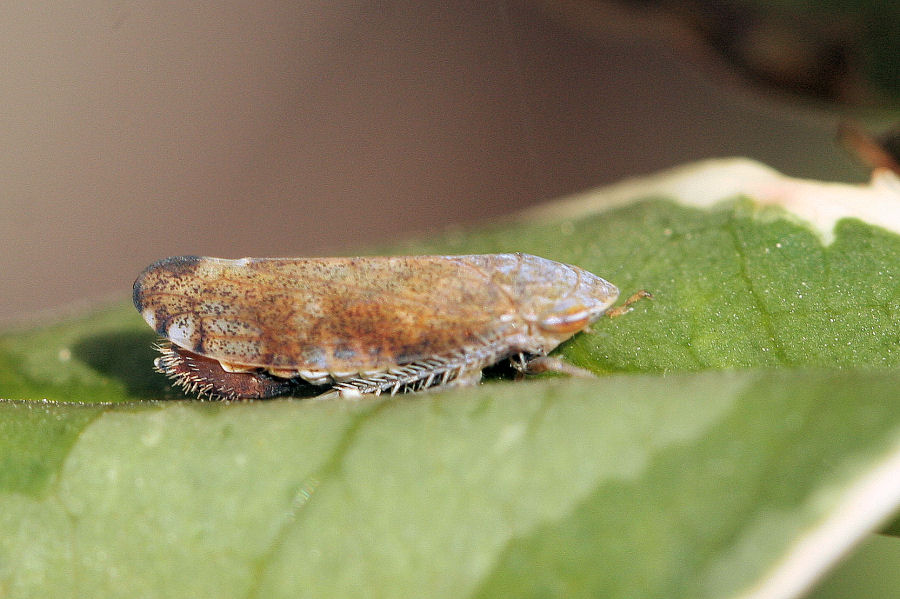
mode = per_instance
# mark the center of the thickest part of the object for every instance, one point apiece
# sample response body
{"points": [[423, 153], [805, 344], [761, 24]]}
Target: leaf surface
{"points": [[736, 417]]}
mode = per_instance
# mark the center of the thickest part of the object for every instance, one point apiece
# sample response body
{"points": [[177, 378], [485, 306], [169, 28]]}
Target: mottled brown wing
{"points": [[323, 314]]}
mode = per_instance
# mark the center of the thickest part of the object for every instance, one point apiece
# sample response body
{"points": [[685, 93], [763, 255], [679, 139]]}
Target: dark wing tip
{"points": [[174, 266]]}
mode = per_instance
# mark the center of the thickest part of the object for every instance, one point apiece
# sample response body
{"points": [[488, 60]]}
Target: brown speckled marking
{"points": [[370, 324]]}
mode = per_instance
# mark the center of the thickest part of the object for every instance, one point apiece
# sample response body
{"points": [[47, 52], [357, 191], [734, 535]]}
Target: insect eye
{"points": [[565, 317]]}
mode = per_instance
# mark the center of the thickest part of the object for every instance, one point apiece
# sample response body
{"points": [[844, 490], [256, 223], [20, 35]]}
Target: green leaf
{"points": [[871, 572], [504, 490], [739, 417]]}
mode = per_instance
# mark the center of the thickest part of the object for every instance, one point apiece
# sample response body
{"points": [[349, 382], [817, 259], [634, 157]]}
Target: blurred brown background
{"points": [[137, 130]]}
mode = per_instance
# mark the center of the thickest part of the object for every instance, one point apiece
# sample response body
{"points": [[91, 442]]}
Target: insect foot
{"points": [[262, 327]]}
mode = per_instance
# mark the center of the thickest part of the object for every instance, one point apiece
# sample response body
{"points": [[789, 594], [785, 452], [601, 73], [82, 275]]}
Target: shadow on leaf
{"points": [[127, 357]]}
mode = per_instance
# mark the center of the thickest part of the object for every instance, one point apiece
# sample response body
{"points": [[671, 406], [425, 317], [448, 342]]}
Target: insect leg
{"points": [[465, 378], [553, 364], [456, 370]]}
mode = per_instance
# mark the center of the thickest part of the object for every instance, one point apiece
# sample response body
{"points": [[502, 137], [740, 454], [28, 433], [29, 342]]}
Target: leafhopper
{"points": [[260, 327]]}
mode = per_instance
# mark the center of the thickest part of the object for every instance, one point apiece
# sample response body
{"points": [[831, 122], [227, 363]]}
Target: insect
{"points": [[260, 327]]}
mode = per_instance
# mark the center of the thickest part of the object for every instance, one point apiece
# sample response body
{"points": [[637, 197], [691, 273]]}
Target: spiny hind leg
{"points": [[428, 374]]}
